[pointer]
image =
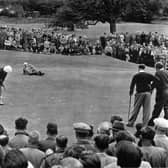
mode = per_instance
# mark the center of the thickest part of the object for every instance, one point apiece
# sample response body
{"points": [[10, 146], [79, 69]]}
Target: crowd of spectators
{"points": [[46, 41], [110, 145], [137, 47]]}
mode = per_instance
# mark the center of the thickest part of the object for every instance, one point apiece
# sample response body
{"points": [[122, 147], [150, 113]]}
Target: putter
{"points": [[129, 108]]}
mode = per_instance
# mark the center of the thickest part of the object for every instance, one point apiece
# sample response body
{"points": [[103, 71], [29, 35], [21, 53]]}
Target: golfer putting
{"points": [[3, 74], [143, 82]]}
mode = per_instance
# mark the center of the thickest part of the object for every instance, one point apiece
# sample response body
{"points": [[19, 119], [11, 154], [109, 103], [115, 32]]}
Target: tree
{"points": [[102, 10], [139, 11], [91, 10]]}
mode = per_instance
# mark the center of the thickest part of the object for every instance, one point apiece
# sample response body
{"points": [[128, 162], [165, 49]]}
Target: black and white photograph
{"points": [[83, 83]]}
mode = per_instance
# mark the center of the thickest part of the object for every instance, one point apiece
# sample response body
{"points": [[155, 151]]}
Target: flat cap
{"points": [[118, 126], [161, 123], [159, 65], [147, 133], [81, 127]]}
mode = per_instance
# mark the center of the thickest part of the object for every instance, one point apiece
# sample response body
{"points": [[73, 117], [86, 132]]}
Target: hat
{"points": [[161, 123], [141, 66], [52, 128], [118, 126], [147, 133], [138, 127], [81, 127], [159, 65], [34, 137], [114, 118], [104, 127], [7, 68]]}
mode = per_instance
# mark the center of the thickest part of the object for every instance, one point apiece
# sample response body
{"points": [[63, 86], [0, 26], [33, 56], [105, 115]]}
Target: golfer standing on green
{"points": [[3, 73], [142, 80]]}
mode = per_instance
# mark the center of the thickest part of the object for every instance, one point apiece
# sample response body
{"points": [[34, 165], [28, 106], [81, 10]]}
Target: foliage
{"points": [[138, 11], [74, 11]]}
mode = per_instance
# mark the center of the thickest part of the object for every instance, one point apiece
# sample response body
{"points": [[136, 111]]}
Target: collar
{"points": [[141, 70], [83, 141], [51, 138], [21, 133], [32, 146]]}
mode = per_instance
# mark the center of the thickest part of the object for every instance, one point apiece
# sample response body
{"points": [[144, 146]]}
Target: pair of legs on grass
{"points": [[141, 100], [161, 103]]}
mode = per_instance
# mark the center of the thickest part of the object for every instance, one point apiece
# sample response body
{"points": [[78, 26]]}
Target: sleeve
{"points": [[155, 81], [133, 82]]}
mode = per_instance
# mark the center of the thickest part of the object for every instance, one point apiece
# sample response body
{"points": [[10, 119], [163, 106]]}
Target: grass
{"points": [[74, 88]]}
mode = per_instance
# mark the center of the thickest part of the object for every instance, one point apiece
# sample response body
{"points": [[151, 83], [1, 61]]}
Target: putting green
{"points": [[74, 88]]}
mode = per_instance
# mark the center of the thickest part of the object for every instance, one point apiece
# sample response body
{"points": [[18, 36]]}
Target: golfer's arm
{"points": [[155, 82]]}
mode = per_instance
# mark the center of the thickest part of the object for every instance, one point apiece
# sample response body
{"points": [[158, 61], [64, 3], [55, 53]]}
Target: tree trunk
{"points": [[112, 26]]}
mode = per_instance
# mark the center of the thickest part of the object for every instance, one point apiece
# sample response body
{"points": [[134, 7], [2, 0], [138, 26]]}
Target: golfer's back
{"points": [[162, 76]]}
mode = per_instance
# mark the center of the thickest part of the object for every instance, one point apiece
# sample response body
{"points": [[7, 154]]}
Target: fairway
{"points": [[74, 88]]}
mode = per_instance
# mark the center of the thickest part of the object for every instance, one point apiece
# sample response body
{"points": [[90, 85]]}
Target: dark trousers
{"points": [[161, 103]]}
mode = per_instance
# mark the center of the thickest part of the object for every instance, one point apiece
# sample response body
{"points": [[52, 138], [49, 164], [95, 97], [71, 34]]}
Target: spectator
{"points": [[54, 158], [4, 140], [90, 160], [16, 159], [50, 141], [82, 132], [105, 128], [1, 157], [2, 130], [138, 127], [71, 163], [120, 136], [102, 143], [156, 156], [161, 127], [31, 152], [117, 126], [128, 155], [20, 140], [74, 151], [115, 118]]}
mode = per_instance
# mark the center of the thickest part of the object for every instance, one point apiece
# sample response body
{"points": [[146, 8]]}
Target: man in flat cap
{"points": [[161, 93], [142, 80], [82, 131]]}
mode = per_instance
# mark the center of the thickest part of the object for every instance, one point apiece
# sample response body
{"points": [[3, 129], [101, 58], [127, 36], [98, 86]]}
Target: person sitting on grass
{"points": [[29, 69]]}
